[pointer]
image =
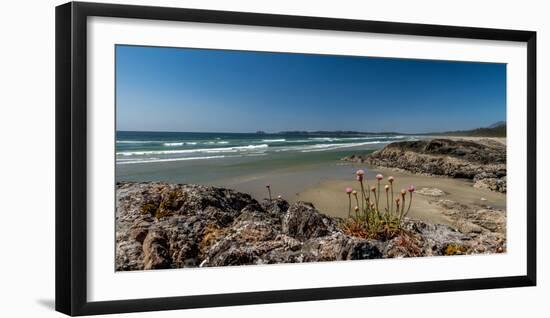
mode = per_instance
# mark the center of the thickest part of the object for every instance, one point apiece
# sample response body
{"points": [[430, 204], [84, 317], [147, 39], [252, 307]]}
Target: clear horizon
{"points": [[195, 90], [285, 131]]}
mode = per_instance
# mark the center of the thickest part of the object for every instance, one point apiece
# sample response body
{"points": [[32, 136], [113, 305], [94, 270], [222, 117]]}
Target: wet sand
{"points": [[329, 197], [324, 185]]}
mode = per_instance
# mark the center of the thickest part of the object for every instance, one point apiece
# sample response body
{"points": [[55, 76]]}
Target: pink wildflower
{"points": [[359, 175]]}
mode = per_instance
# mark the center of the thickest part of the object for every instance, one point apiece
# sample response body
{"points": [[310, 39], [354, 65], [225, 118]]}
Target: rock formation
{"points": [[482, 161], [160, 225]]}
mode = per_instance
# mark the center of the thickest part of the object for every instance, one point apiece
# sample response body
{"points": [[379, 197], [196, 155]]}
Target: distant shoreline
{"points": [[497, 129], [457, 134]]}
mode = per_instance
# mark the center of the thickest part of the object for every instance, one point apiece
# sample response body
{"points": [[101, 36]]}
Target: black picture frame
{"points": [[71, 154]]}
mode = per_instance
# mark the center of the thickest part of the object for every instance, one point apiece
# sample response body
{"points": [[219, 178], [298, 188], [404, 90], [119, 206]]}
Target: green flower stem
{"points": [[387, 203], [410, 201], [402, 208], [349, 205], [368, 187], [377, 197], [362, 196], [376, 202], [392, 199]]}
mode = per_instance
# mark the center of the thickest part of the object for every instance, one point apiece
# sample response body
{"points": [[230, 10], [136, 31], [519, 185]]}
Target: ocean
{"points": [[242, 161], [148, 147]]}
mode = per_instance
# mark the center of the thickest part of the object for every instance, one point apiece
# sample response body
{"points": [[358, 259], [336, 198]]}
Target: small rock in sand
{"points": [[432, 192]]}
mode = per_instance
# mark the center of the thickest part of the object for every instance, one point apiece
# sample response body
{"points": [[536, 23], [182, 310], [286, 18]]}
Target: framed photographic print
{"points": [[208, 158]]}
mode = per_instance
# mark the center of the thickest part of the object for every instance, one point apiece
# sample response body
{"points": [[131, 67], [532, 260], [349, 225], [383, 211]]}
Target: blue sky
{"points": [[174, 89]]}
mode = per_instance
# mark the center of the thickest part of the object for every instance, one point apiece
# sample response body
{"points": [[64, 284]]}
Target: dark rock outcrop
{"points": [[482, 161], [163, 225], [303, 222]]}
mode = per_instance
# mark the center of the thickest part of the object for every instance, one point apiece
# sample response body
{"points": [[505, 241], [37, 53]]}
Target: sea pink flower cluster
{"points": [[368, 207]]}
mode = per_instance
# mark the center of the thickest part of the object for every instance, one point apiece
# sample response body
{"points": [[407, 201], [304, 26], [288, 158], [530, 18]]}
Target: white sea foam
{"points": [[173, 144], [168, 144], [254, 148], [324, 147], [332, 139], [323, 138], [216, 142], [200, 150], [151, 160], [300, 140], [138, 141]]}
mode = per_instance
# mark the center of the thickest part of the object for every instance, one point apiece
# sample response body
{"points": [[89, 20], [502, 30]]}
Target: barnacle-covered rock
{"points": [[208, 226]]}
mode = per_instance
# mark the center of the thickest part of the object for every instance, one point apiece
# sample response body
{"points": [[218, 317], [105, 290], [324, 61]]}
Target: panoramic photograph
{"points": [[227, 158]]}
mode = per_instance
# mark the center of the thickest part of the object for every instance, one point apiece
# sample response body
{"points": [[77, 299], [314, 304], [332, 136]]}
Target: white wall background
{"points": [[27, 157]]}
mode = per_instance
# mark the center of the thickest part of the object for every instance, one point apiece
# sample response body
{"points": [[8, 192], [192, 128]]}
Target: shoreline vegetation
{"points": [[170, 225]]}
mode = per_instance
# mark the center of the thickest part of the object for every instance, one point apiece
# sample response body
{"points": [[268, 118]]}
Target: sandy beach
{"points": [[329, 197], [425, 207]]}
